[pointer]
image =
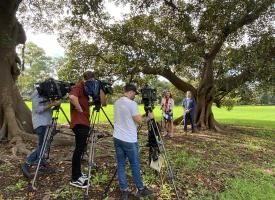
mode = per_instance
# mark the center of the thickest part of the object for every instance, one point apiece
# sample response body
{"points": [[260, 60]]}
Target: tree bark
{"points": [[205, 94], [15, 117]]}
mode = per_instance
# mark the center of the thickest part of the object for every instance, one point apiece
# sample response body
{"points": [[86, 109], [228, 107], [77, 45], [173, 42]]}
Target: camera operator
{"points": [[126, 118], [41, 119], [80, 113]]}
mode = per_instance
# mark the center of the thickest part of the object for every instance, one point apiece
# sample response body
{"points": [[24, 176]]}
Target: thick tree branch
{"points": [[172, 77], [248, 18], [232, 82]]}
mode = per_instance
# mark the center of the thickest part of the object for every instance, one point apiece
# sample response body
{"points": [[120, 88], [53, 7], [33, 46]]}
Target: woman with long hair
{"points": [[167, 104]]}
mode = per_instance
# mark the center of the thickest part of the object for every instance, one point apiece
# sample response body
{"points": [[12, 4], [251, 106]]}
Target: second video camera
{"points": [[149, 97], [93, 87], [52, 89]]}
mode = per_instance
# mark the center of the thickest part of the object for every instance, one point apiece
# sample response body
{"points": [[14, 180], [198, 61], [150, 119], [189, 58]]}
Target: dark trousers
{"points": [[81, 134], [189, 116]]}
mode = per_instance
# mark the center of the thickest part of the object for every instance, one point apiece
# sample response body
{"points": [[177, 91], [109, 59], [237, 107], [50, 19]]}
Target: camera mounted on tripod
{"points": [[149, 97], [93, 87], [52, 89]]}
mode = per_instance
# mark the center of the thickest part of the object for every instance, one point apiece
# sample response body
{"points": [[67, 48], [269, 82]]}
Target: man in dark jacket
{"points": [[189, 105]]}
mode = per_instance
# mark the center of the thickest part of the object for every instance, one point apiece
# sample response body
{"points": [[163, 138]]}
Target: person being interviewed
{"points": [[167, 104], [126, 118], [189, 105], [80, 113]]}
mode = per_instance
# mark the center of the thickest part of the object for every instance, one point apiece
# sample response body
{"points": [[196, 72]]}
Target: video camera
{"points": [[93, 87], [149, 97], [52, 89]]}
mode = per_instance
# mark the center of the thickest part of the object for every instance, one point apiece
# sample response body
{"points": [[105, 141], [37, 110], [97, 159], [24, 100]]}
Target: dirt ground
{"points": [[202, 162]]}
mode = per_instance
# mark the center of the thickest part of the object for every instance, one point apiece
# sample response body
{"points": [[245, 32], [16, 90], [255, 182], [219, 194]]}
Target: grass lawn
{"points": [[207, 166], [254, 116]]}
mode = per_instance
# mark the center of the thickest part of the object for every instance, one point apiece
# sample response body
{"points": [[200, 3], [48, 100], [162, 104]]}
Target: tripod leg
{"points": [[106, 191], [41, 155], [162, 148], [67, 119], [91, 153], [107, 117], [91, 163]]}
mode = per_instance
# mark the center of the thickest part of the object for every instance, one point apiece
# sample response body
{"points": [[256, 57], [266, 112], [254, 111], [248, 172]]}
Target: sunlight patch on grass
{"points": [[255, 187]]}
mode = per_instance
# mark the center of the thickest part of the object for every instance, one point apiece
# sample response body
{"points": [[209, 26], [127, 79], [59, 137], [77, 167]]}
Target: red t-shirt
{"points": [[78, 117]]}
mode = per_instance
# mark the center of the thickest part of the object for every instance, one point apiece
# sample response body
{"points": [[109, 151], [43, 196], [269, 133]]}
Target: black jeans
{"points": [[189, 116], [81, 134]]}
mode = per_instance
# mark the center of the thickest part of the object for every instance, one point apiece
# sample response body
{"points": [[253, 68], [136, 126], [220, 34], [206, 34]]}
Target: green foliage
{"points": [[19, 186], [38, 66], [165, 192], [100, 178], [67, 192], [6, 167], [149, 177], [183, 41]]}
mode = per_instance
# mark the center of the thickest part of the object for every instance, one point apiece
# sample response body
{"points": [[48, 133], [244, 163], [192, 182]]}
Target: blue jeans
{"points": [[128, 150], [34, 156]]}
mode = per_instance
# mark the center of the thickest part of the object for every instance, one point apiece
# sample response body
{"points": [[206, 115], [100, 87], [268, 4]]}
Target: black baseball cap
{"points": [[130, 87]]}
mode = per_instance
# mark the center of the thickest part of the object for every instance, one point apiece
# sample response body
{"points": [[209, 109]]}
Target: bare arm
{"points": [[75, 102], [139, 119]]}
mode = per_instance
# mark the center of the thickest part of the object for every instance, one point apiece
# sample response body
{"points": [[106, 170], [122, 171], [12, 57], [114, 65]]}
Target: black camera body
{"points": [[52, 89], [93, 87], [106, 87], [149, 97]]}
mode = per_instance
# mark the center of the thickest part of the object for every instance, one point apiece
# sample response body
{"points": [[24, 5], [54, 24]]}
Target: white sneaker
{"points": [[80, 183], [84, 176]]}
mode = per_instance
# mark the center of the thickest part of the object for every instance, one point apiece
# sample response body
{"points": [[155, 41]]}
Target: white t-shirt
{"points": [[125, 128]]}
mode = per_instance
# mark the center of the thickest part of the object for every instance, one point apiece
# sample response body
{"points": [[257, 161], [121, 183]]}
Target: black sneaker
{"points": [[143, 192], [124, 195], [26, 170], [80, 183]]}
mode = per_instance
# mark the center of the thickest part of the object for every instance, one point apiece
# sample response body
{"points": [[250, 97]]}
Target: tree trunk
{"points": [[15, 117], [205, 97]]}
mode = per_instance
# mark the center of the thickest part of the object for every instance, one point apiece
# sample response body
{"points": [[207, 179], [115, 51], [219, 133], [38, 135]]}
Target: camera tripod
{"points": [[92, 139], [48, 138], [152, 125]]}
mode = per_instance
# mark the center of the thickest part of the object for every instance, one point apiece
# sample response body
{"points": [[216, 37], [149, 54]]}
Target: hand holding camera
{"points": [[150, 115], [55, 103]]}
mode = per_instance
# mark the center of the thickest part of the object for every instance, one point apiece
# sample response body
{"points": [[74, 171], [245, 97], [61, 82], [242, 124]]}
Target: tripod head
{"points": [[96, 104]]}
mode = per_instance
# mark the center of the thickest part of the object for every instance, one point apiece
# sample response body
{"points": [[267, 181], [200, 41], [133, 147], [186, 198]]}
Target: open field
{"points": [[254, 116]]}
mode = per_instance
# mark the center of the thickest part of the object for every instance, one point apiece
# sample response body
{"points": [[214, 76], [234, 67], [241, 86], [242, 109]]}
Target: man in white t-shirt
{"points": [[126, 118]]}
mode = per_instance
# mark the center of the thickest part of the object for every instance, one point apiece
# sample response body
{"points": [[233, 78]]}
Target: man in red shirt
{"points": [[80, 114]]}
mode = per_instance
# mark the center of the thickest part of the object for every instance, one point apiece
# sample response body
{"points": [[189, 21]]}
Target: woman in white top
{"points": [[167, 104]]}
